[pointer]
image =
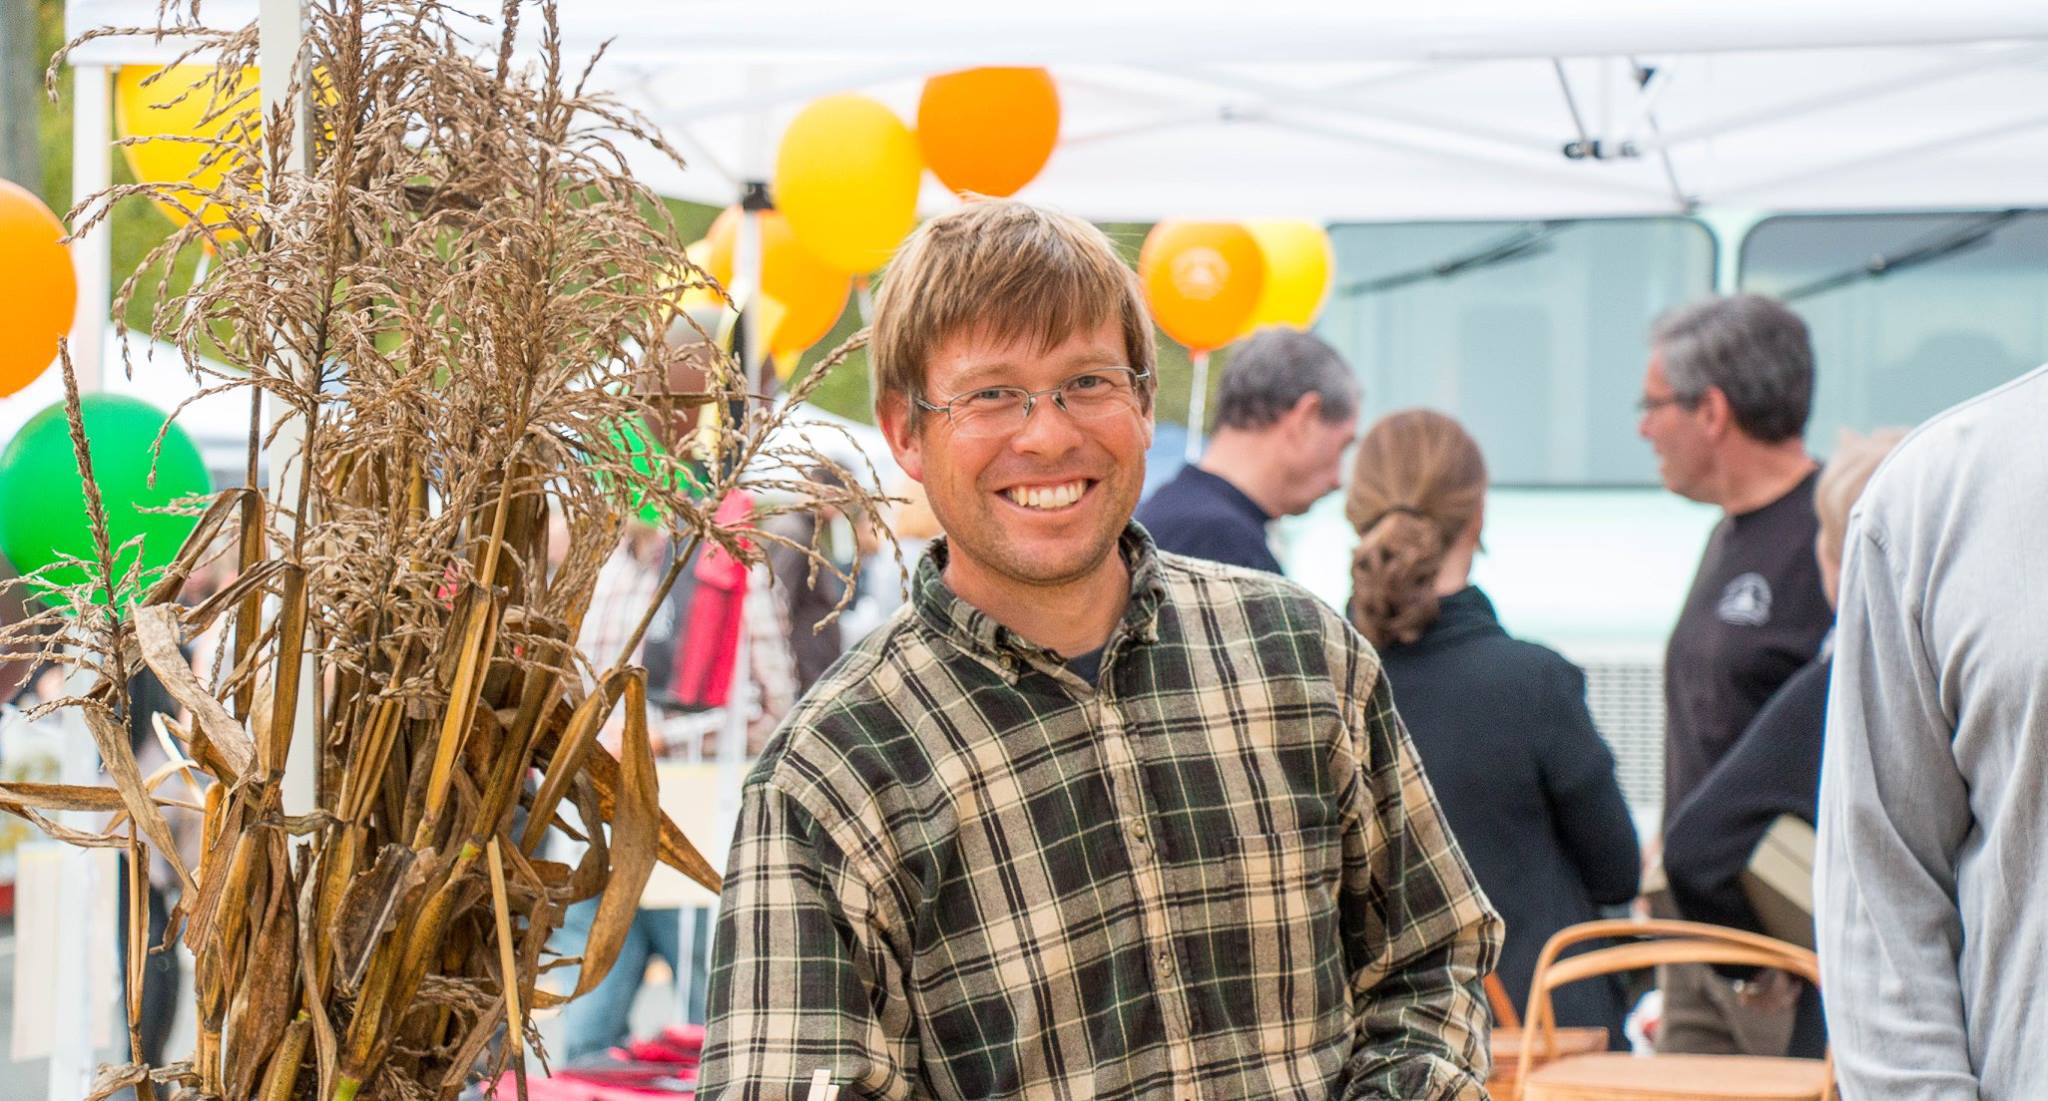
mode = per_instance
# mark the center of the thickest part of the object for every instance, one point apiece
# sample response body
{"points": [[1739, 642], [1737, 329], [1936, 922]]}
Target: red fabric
{"points": [[565, 1088], [711, 638], [644, 1068]]}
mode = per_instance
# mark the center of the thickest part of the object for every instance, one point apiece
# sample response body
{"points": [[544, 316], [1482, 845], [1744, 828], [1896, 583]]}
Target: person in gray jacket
{"points": [[1928, 876]]}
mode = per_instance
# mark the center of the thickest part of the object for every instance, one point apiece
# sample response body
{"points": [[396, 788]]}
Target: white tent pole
{"points": [[74, 1001], [92, 170], [1644, 111], [746, 278], [755, 165], [283, 34]]}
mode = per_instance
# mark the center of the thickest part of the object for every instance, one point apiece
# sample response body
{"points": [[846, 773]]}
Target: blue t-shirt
{"points": [[1203, 516]]}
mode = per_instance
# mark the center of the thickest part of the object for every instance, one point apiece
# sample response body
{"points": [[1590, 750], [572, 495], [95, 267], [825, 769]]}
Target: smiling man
{"points": [[1084, 820]]}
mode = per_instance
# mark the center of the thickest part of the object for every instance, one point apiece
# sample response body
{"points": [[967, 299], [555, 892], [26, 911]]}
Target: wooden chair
{"points": [[1509, 1038], [1546, 1073]]}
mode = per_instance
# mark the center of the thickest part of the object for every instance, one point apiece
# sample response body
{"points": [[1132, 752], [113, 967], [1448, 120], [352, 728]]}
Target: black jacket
{"points": [[1527, 784], [1203, 516], [1773, 770]]}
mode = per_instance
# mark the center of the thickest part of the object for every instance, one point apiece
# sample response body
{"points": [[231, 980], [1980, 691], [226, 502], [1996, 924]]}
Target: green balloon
{"points": [[653, 463], [45, 519]]}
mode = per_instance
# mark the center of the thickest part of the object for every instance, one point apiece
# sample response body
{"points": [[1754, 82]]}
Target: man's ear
{"points": [[1306, 408], [905, 442], [1718, 416]]}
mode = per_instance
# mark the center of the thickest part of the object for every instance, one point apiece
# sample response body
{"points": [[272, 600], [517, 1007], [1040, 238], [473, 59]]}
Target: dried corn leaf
{"points": [[157, 630], [635, 838], [263, 1005], [15, 795], [671, 846], [112, 1080], [369, 907], [119, 761]]}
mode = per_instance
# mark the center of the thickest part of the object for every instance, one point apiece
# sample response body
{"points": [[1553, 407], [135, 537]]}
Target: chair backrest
{"points": [[1649, 943]]}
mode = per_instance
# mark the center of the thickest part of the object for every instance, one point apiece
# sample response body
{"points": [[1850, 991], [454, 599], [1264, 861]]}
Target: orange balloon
{"points": [[988, 130], [812, 295], [1202, 280], [38, 287]]}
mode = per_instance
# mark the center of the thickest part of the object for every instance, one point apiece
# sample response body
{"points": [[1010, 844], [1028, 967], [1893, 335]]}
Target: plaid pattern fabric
{"points": [[962, 872], [625, 587]]}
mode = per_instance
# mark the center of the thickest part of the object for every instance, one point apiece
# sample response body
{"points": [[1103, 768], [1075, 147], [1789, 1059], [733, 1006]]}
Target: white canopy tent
{"points": [[1468, 109]]}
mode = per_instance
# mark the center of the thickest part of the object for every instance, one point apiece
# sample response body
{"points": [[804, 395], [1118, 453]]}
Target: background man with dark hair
{"points": [[1286, 411], [1725, 400]]}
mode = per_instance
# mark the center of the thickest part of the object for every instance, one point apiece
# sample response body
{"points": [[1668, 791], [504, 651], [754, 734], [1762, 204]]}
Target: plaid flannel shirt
{"points": [[962, 872]]}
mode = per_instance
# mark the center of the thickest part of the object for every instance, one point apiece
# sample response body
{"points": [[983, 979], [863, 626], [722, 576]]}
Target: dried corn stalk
{"points": [[459, 302]]}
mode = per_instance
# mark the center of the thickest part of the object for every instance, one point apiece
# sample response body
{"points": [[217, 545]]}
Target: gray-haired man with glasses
{"points": [[1085, 819], [1724, 404]]}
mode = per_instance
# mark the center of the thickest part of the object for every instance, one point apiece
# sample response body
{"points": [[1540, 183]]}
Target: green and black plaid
{"points": [[962, 872]]}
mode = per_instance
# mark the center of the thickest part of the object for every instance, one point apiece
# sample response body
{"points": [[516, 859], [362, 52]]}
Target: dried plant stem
{"points": [[508, 964], [466, 302]]}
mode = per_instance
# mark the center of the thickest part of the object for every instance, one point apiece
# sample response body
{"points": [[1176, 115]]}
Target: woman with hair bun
{"points": [[1523, 776]]}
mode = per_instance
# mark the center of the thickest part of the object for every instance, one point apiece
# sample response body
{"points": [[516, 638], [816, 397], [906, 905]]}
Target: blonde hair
{"points": [[1012, 269], [1842, 480], [1418, 481]]}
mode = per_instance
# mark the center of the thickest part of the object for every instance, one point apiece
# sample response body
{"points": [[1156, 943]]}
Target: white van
{"points": [[1532, 334]]}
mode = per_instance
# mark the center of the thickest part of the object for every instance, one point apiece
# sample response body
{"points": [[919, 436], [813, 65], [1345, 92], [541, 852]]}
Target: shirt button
{"points": [[1138, 832], [1166, 961]]}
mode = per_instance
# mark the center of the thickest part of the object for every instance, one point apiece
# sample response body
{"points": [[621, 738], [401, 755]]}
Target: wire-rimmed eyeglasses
{"points": [[999, 410], [1646, 404]]}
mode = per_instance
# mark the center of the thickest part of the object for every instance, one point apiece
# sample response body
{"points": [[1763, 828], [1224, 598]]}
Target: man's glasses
{"points": [[1001, 410], [1646, 405]]}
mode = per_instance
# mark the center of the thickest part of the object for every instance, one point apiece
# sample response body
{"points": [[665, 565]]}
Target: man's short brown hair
{"points": [[1018, 271]]}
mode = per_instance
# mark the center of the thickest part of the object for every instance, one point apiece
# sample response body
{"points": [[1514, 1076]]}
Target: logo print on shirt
{"points": [[1746, 602]]}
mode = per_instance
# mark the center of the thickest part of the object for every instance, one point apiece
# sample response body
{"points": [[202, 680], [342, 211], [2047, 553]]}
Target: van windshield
{"points": [[1530, 333], [1910, 313]]}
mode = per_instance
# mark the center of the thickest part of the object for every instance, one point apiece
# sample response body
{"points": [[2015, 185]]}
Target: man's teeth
{"points": [[1047, 497]]}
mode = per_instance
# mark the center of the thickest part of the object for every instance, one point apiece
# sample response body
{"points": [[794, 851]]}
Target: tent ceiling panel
{"points": [[1460, 111]]}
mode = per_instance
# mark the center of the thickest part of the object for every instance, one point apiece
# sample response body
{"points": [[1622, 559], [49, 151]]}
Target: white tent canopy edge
{"points": [[1461, 111]]}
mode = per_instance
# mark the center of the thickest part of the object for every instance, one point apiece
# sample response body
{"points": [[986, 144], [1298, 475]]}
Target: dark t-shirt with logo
{"points": [[1755, 615]]}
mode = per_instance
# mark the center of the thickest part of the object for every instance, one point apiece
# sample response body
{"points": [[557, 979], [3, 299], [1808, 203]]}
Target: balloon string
{"points": [[864, 299], [1198, 397]]}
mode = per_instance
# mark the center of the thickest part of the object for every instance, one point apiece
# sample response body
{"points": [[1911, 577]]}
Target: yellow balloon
{"points": [[846, 176], [176, 106], [1298, 265], [810, 294], [696, 295]]}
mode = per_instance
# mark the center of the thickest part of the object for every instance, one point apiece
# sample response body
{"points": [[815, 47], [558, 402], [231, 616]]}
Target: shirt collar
{"points": [[977, 633]]}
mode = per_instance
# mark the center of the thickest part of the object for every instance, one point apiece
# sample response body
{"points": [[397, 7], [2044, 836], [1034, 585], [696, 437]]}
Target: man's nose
{"points": [[1047, 429]]}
